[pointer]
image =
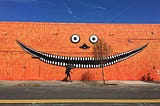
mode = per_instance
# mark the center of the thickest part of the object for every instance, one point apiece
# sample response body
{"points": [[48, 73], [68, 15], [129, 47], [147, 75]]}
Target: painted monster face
{"points": [[75, 38], [81, 62]]}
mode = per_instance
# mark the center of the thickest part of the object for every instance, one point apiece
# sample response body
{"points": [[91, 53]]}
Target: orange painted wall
{"points": [[54, 38]]}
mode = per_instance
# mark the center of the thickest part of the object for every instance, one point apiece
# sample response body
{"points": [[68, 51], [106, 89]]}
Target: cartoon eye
{"points": [[93, 39], [75, 38]]}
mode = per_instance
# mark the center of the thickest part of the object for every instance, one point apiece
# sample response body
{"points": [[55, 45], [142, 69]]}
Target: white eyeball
{"points": [[93, 39], [75, 38]]}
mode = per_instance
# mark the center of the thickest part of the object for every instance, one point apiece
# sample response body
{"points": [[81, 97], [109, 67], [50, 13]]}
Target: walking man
{"points": [[67, 72]]}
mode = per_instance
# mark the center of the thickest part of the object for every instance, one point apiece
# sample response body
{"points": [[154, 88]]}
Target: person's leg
{"points": [[70, 78]]}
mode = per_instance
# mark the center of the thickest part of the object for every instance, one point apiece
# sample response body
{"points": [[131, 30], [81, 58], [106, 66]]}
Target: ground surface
{"points": [[113, 90]]}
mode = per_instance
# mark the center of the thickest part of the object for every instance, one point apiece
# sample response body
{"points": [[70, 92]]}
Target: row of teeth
{"points": [[88, 65], [84, 58]]}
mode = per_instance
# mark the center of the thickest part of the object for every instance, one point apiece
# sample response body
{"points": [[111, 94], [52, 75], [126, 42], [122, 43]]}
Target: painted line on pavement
{"points": [[82, 101]]}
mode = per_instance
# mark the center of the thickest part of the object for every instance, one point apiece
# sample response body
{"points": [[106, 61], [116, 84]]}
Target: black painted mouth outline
{"points": [[80, 62]]}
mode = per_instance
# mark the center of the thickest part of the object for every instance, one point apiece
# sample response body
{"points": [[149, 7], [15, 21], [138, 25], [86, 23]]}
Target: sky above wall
{"points": [[83, 11]]}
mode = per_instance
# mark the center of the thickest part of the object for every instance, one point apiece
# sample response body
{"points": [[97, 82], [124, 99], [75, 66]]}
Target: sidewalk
{"points": [[74, 83]]}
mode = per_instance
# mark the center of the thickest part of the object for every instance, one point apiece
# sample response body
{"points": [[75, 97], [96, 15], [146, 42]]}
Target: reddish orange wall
{"points": [[54, 38]]}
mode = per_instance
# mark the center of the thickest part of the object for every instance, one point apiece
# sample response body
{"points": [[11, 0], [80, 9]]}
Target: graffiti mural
{"points": [[50, 51], [81, 62]]}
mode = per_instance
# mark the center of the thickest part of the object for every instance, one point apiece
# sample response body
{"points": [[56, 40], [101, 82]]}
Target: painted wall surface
{"points": [[54, 38]]}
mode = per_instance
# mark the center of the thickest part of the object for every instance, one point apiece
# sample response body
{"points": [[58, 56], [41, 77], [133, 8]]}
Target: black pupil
{"points": [[75, 38], [93, 38]]}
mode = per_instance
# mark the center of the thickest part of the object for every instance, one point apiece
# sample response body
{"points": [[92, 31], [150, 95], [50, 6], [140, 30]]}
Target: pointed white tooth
{"points": [[86, 65], [45, 61], [100, 65], [76, 65], [107, 64], [52, 62], [68, 58], [117, 55], [79, 65], [96, 66], [63, 63], [55, 63], [46, 55], [112, 57], [92, 66]]}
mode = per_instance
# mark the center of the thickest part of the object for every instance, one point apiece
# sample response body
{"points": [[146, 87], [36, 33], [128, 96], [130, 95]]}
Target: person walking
{"points": [[67, 72]]}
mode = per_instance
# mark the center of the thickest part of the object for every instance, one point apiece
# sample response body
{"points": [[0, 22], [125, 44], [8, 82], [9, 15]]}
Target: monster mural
{"points": [[81, 62]]}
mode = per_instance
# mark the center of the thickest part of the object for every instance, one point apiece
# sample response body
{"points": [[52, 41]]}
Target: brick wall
{"points": [[54, 38]]}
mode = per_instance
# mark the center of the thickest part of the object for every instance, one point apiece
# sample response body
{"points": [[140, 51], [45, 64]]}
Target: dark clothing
{"points": [[67, 72]]}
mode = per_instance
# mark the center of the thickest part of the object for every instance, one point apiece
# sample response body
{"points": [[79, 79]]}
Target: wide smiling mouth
{"points": [[81, 62]]}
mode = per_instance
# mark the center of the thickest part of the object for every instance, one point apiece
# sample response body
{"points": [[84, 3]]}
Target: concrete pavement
{"points": [[5, 83]]}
